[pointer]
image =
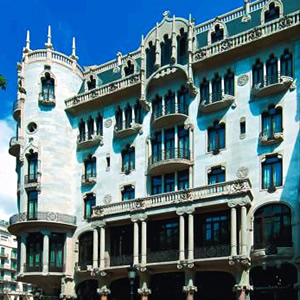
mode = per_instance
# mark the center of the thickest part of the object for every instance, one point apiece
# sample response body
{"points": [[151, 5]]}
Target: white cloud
{"points": [[8, 176]]}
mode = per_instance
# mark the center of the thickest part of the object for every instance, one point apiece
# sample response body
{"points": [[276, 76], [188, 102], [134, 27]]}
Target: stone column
{"points": [[95, 247], [102, 247], [191, 237], [23, 252], [163, 140], [244, 230], [68, 258], [46, 234], [233, 230], [181, 238], [135, 243], [178, 154], [176, 181], [144, 243]]}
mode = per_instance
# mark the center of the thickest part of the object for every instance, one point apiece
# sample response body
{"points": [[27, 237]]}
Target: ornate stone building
{"points": [[177, 163]]}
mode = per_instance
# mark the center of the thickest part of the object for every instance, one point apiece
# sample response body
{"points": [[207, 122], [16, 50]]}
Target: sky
{"points": [[101, 28]]}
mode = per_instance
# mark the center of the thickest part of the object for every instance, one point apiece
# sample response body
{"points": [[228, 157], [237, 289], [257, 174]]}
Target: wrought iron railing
{"points": [[47, 97], [32, 178], [172, 153], [169, 109], [212, 251], [121, 260], [33, 267], [88, 178], [162, 255]]}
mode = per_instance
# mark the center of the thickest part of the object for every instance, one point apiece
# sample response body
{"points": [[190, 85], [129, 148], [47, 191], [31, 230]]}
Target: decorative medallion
{"points": [[242, 80], [108, 123], [107, 199], [51, 216], [242, 172]]}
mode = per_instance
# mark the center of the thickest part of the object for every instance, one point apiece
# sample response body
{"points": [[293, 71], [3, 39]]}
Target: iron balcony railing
{"points": [[87, 136], [88, 178], [56, 268], [212, 251], [162, 255], [15, 140], [126, 124], [121, 260], [172, 153], [33, 267], [169, 109], [208, 98], [46, 97], [32, 178], [43, 216]]}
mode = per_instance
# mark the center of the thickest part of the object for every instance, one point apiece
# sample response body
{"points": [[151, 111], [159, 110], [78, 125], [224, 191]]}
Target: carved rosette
{"points": [[98, 211], [242, 172], [242, 80]]}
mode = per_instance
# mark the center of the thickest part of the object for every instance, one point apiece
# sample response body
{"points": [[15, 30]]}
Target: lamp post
{"points": [[131, 276]]}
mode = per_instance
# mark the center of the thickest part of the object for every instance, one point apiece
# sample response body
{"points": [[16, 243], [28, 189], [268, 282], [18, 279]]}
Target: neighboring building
{"points": [[180, 159], [10, 289]]}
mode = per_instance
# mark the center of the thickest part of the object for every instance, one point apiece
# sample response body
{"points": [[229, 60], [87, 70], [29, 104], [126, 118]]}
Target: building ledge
{"points": [[125, 131], [46, 100], [87, 141], [266, 140], [272, 252], [15, 145], [213, 105]]}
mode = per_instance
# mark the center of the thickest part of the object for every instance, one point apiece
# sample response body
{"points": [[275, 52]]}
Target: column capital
{"points": [[98, 224], [45, 232], [185, 210], [239, 287], [144, 291], [189, 289], [233, 203], [103, 291], [138, 217]]}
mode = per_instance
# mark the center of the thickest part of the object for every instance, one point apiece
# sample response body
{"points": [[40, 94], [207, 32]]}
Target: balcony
{"points": [[272, 84], [57, 269], [22, 220], [282, 250], [32, 180], [121, 260], [88, 140], [169, 114], [16, 111], [162, 255], [216, 102], [46, 99], [88, 179], [212, 251], [267, 138], [126, 129], [170, 160], [37, 267], [15, 145]]}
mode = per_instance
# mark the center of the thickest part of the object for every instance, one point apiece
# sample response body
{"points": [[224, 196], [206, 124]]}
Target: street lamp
{"points": [[131, 276]]}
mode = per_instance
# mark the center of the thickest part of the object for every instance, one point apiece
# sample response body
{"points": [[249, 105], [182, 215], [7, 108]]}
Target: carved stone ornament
{"points": [[138, 217], [200, 54], [285, 22], [144, 291], [51, 216], [242, 172], [98, 211], [226, 45], [242, 80], [108, 123], [104, 291], [137, 205], [189, 289], [255, 34], [107, 199]]}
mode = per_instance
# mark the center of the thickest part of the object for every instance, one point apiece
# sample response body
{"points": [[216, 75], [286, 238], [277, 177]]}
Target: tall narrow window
{"points": [[156, 147], [32, 209], [128, 159], [169, 182], [229, 83], [90, 168], [271, 172], [90, 125], [169, 103], [128, 116], [32, 160], [138, 117], [216, 175], [182, 97], [216, 88], [286, 63], [129, 69], [273, 13], [91, 83], [218, 34], [150, 59], [169, 144], [182, 47], [128, 193], [272, 70], [56, 257], [204, 91], [166, 51], [48, 87], [86, 249], [258, 73], [119, 119], [34, 257], [81, 127], [89, 202], [183, 180], [272, 122], [157, 107], [216, 137], [183, 143], [99, 125], [156, 185]]}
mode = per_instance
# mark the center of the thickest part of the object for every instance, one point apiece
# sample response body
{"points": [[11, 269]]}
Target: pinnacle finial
{"points": [[166, 14], [73, 56], [49, 44], [27, 48]]}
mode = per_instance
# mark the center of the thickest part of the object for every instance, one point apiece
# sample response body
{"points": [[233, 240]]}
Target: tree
{"points": [[2, 82]]}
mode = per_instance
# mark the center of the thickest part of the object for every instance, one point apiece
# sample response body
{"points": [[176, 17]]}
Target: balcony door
{"points": [[56, 256], [169, 143], [34, 252]]}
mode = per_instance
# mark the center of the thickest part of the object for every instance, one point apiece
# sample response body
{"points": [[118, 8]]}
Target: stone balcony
{"points": [[16, 111], [261, 251], [271, 85], [266, 139], [169, 114], [170, 160], [46, 99], [126, 129], [88, 179], [15, 145], [88, 140], [216, 102]]}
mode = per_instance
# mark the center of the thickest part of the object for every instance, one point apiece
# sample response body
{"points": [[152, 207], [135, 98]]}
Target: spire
{"points": [[27, 48], [73, 56], [49, 44]]}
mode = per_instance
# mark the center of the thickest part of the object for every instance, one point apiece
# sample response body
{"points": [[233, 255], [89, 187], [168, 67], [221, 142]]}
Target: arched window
{"points": [[272, 70], [32, 174], [272, 226], [90, 126], [128, 159], [286, 63], [182, 47], [156, 147], [258, 73], [89, 202], [216, 137], [150, 59], [86, 249], [216, 175], [271, 121], [48, 87], [272, 172], [99, 125], [273, 13], [128, 116], [216, 88], [90, 168], [166, 51], [170, 103], [182, 96], [119, 119], [91, 83], [129, 69], [218, 34], [138, 117], [81, 127], [157, 107], [229, 83], [204, 91]]}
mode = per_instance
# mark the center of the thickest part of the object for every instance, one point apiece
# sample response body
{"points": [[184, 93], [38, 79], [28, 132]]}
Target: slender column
{"points": [[244, 229], [163, 108], [210, 91], [233, 238], [189, 288], [163, 183], [264, 74], [178, 154], [181, 238], [278, 69], [135, 243], [95, 247], [23, 252], [144, 242], [176, 181], [46, 251], [68, 249], [191, 237], [102, 247]]}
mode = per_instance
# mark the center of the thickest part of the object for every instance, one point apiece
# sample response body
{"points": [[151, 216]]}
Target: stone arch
{"points": [[276, 3], [217, 25]]}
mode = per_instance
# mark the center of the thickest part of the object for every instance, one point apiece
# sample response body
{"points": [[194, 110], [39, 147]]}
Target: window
{"points": [[156, 147], [119, 119], [204, 91], [272, 122], [34, 252], [182, 97], [216, 175], [217, 35], [272, 226], [32, 209], [157, 107], [90, 167], [258, 73], [91, 83], [242, 126], [216, 88], [56, 260], [229, 83], [32, 160], [286, 63], [89, 202], [81, 127], [128, 159], [169, 182], [169, 143], [129, 69], [272, 13], [183, 143], [121, 242], [47, 87], [128, 116], [86, 249], [2, 251], [150, 59], [99, 125], [138, 117], [216, 137], [90, 127], [156, 185], [272, 70], [166, 51], [128, 193], [182, 47], [271, 172], [170, 103], [183, 180]]}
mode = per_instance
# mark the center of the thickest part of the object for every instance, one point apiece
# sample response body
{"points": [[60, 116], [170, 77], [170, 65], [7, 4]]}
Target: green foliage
{"points": [[2, 82]]}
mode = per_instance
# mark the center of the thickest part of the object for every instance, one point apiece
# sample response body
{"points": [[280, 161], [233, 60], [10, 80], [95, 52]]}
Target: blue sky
{"points": [[102, 28]]}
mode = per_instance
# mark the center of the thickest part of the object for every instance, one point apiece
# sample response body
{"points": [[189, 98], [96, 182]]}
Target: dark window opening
{"points": [[182, 45], [169, 182], [217, 35], [150, 59], [91, 83], [156, 148], [129, 69], [128, 159], [258, 73], [32, 160], [273, 13], [86, 249], [89, 202], [128, 116], [119, 119], [99, 125], [182, 96], [286, 63], [183, 180], [170, 103], [32, 208], [272, 172], [216, 137], [90, 168], [34, 257], [128, 193], [216, 88], [47, 87], [183, 143], [229, 83], [81, 127], [56, 255], [242, 127], [90, 127], [166, 51], [216, 175], [204, 91], [156, 185], [272, 70], [157, 107], [272, 122], [138, 116]]}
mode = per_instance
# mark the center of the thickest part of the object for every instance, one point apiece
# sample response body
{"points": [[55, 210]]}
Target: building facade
{"points": [[177, 163], [10, 289]]}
